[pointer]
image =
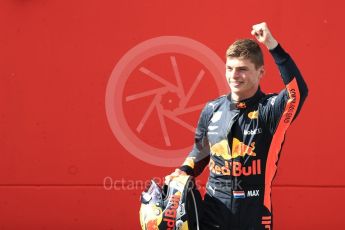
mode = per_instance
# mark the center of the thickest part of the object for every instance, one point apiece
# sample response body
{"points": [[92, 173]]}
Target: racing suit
{"points": [[241, 143]]}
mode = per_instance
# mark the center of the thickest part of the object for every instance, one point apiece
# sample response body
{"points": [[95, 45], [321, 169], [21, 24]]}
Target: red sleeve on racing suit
{"points": [[296, 88], [280, 111]]}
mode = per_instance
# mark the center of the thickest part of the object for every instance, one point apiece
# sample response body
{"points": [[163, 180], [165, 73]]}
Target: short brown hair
{"points": [[246, 49]]}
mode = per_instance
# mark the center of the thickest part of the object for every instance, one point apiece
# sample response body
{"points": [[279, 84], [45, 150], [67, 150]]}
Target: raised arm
{"points": [[288, 102]]}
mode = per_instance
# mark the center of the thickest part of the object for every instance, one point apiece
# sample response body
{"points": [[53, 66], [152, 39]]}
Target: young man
{"points": [[240, 136]]}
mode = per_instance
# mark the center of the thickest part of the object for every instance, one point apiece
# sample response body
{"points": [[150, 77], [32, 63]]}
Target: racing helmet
{"points": [[175, 206]]}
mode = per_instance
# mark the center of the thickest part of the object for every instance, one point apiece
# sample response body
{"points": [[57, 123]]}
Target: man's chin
{"points": [[235, 89]]}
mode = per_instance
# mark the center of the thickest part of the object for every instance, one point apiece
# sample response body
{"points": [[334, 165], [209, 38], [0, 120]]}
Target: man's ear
{"points": [[262, 71]]}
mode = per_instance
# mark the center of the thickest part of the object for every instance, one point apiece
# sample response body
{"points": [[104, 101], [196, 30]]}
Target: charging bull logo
{"points": [[221, 149], [239, 149]]}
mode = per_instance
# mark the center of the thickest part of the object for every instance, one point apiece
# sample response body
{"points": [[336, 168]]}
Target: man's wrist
{"points": [[279, 55], [271, 43], [187, 169]]}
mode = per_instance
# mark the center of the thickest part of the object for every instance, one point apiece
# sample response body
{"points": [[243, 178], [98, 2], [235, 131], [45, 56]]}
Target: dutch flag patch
{"points": [[239, 194]]}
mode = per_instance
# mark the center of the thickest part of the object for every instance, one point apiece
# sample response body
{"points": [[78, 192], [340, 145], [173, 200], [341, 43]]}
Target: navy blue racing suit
{"points": [[241, 143]]}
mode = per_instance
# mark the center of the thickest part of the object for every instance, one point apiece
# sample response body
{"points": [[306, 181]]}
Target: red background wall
{"points": [[56, 145]]}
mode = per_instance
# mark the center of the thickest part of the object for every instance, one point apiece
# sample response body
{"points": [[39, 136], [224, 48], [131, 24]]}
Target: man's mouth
{"points": [[236, 83]]}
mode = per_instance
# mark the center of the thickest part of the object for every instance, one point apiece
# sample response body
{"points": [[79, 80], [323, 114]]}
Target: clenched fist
{"points": [[263, 35]]}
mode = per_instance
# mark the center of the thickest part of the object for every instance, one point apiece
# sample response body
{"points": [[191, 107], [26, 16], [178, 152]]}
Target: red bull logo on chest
{"points": [[236, 168], [239, 149]]}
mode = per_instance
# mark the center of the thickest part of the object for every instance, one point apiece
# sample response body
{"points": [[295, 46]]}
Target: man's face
{"points": [[242, 76]]}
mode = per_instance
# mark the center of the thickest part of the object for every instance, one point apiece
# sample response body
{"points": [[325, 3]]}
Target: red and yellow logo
{"points": [[221, 149], [241, 105], [239, 149], [253, 115]]}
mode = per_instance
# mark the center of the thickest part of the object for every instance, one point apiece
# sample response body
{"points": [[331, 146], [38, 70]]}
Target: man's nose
{"points": [[235, 74]]}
